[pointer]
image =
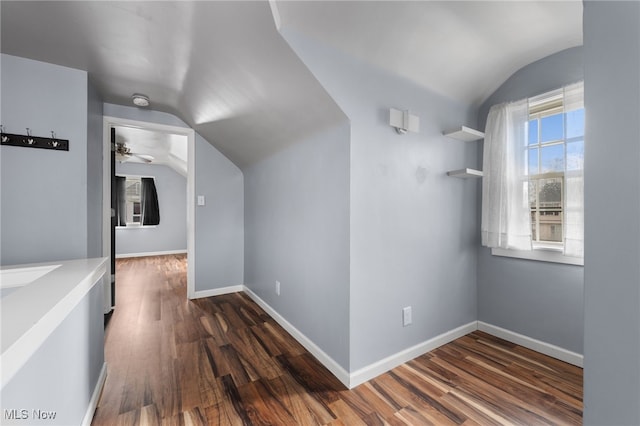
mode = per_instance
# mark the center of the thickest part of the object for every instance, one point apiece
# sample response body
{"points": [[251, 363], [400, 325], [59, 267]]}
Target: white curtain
{"points": [[574, 184], [506, 221]]}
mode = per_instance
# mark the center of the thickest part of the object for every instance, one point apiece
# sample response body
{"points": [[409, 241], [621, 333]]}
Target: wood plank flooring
{"points": [[224, 361]]}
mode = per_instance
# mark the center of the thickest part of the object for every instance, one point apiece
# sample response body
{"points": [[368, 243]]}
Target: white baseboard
{"points": [[533, 344], [93, 402], [331, 365], [151, 253], [217, 291], [367, 373], [373, 370], [351, 380]]}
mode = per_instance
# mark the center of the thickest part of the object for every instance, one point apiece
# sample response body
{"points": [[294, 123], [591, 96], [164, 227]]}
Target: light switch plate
{"points": [[201, 200], [406, 316]]}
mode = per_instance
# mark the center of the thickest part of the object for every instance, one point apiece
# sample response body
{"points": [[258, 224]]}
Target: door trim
{"points": [[108, 123]]}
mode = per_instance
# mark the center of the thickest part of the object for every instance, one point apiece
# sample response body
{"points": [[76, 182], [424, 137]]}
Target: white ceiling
{"points": [[463, 50], [224, 69], [166, 148]]}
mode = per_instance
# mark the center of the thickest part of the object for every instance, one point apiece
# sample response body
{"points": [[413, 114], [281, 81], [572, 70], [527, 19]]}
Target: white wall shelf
{"points": [[465, 134], [465, 173]]}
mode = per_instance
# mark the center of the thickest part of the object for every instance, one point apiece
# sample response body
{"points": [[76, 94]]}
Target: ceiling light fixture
{"points": [[140, 100]]}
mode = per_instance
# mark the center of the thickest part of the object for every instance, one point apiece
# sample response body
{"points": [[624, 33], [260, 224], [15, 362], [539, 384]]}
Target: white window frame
{"points": [[543, 252]]}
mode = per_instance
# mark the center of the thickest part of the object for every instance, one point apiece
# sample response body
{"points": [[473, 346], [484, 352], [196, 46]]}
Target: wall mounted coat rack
{"points": [[35, 141]]}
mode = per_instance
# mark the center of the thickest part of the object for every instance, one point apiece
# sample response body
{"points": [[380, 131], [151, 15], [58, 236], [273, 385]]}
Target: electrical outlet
{"points": [[406, 316], [278, 288]]}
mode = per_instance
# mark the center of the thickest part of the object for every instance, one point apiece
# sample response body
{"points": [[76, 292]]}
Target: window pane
{"points": [[552, 159], [550, 213], [533, 161], [575, 123], [533, 204], [545, 198], [133, 187], [533, 132], [551, 128], [550, 193], [575, 155]]}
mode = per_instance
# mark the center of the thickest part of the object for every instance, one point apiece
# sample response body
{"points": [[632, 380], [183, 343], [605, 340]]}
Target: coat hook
{"points": [[30, 140], [53, 142]]}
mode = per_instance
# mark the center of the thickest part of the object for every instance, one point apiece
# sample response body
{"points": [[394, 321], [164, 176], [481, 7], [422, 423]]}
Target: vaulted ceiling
{"points": [[224, 68], [153, 147], [463, 50]]}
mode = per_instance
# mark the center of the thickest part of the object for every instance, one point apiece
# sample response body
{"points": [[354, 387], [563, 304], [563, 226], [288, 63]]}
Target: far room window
{"points": [[136, 201], [134, 209], [533, 186]]}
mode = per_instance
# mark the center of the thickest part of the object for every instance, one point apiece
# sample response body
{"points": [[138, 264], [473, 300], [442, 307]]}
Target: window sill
{"points": [[137, 227], [540, 255]]}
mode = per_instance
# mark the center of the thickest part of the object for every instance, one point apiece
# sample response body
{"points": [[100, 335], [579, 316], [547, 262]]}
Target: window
{"points": [[133, 201], [532, 198], [136, 201], [555, 142]]}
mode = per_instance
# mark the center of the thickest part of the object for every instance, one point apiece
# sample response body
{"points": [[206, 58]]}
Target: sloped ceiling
{"points": [[165, 149], [224, 69], [463, 50]]}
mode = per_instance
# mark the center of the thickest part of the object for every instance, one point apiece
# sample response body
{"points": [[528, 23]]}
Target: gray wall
{"points": [[62, 374], [51, 210], [413, 230], [219, 223], [612, 234], [44, 193], [537, 299], [297, 232], [94, 173], [219, 245], [171, 233]]}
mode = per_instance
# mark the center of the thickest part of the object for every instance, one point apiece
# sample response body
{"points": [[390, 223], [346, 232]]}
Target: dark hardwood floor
{"points": [[224, 361]]}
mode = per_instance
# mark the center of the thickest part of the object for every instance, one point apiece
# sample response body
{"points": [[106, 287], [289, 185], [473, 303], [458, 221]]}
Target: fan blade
{"points": [[144, 157]]}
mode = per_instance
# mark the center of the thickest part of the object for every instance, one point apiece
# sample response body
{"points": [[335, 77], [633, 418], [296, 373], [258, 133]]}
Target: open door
{"points": [[110, 219], [113, 218]]}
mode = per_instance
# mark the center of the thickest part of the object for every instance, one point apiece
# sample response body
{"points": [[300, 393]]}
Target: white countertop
{"points": [[29, 314]]}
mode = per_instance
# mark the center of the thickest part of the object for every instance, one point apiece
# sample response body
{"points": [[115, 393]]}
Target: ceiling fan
{"points": [[123, 153]]}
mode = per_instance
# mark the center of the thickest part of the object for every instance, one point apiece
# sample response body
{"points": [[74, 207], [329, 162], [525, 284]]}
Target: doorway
{"points": [[108, 234]]}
